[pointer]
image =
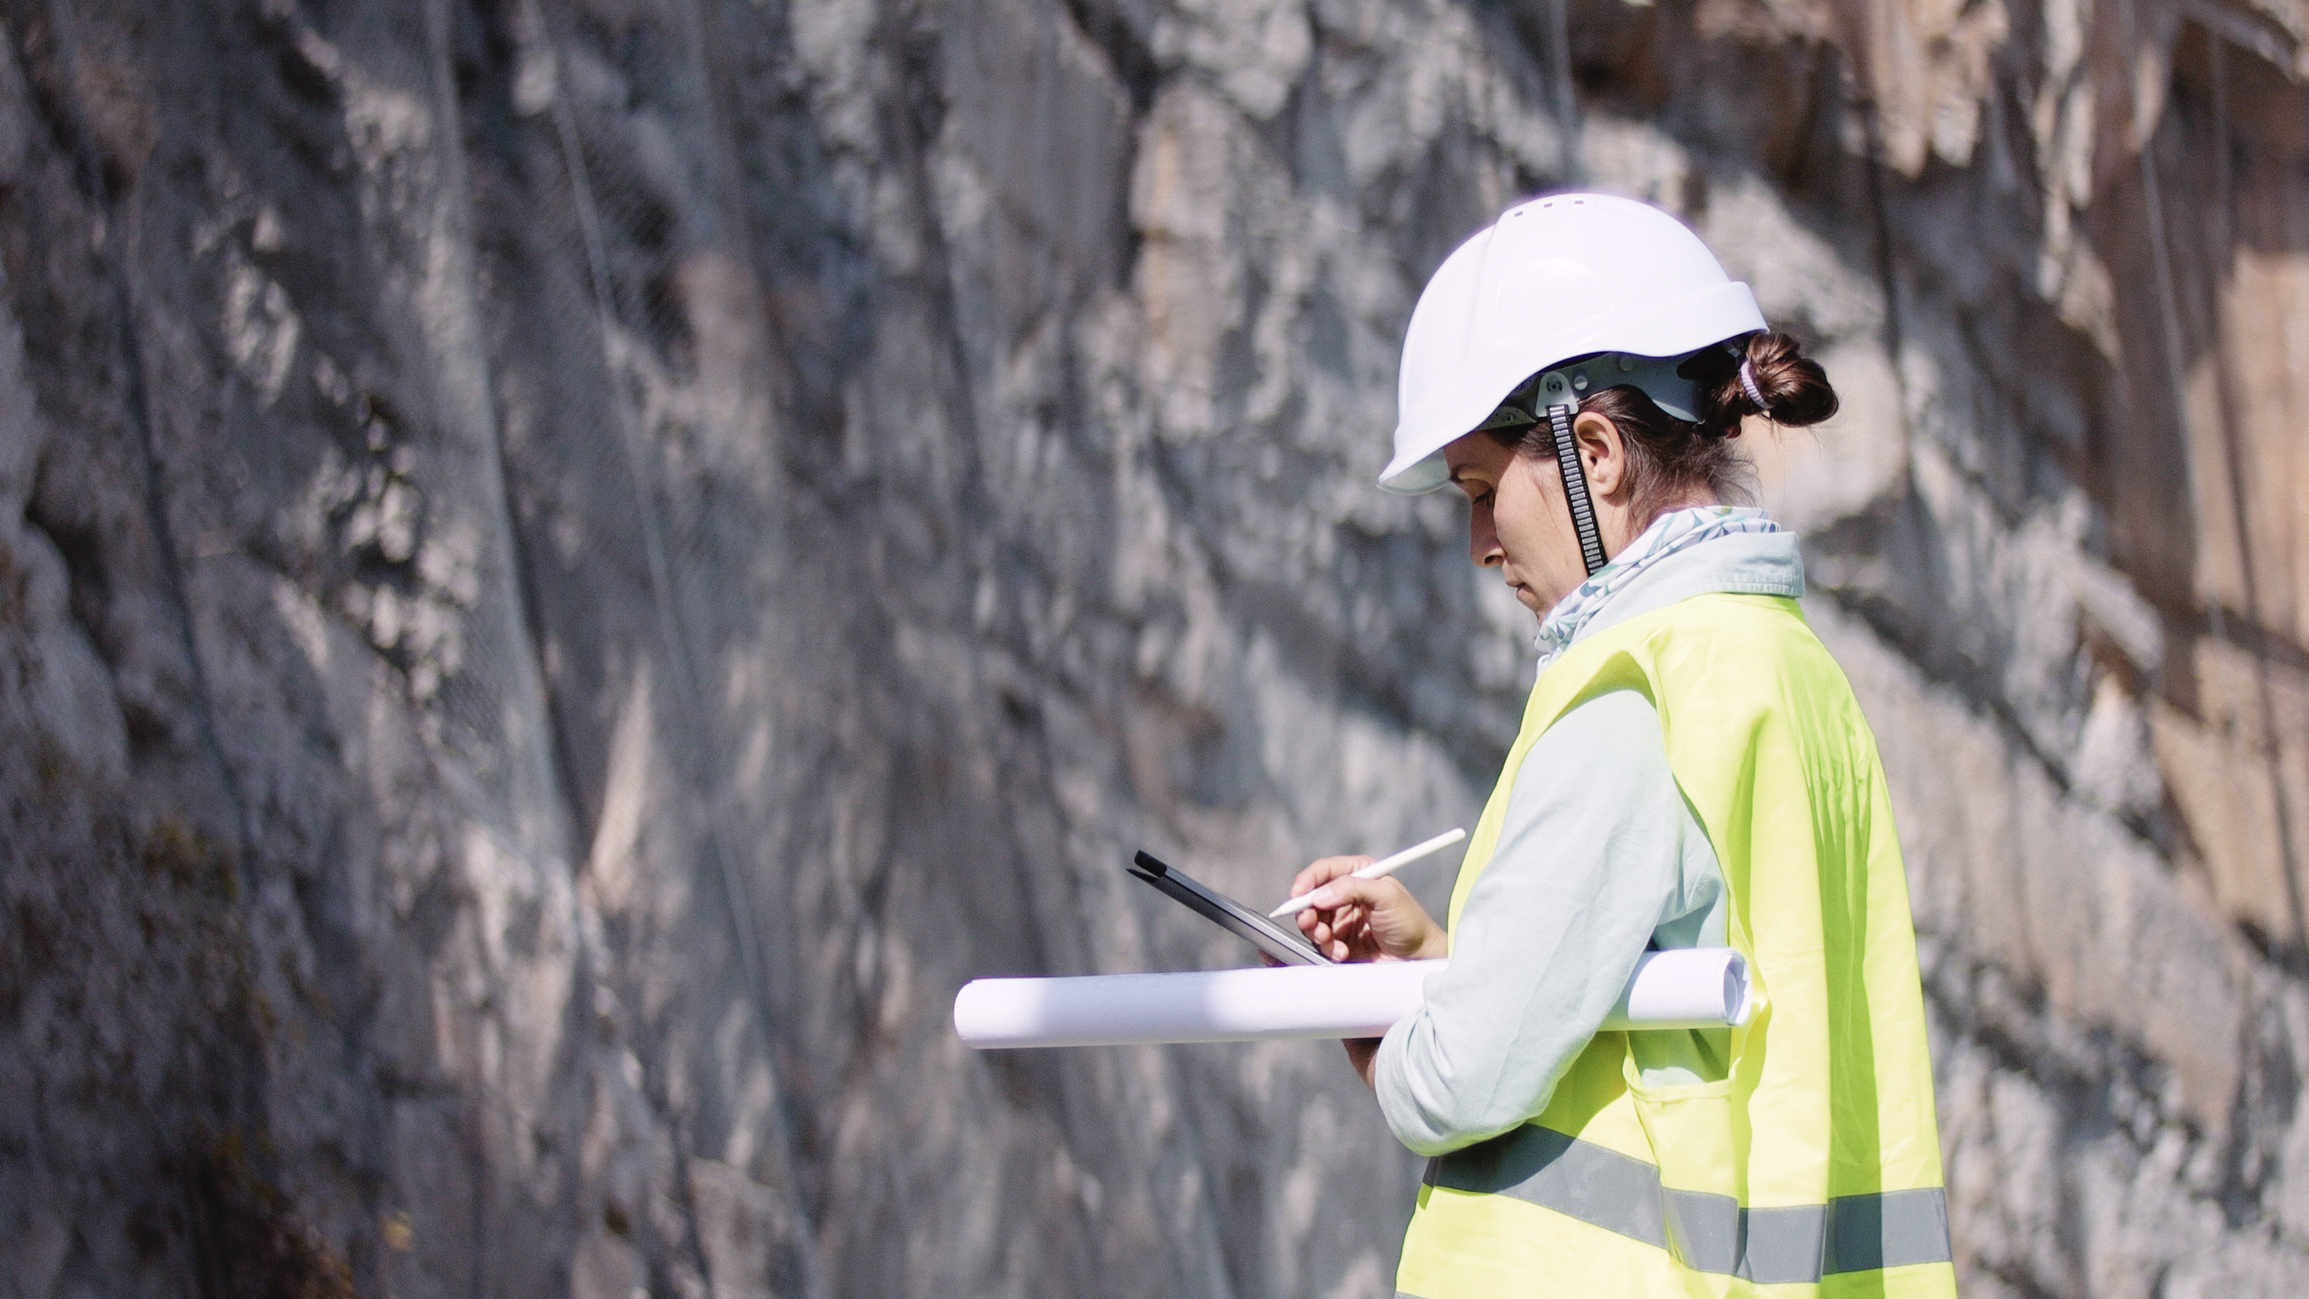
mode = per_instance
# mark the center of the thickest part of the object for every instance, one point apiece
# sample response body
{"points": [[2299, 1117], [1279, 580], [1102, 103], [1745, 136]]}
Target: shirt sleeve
{"points": [[1592, 858]]}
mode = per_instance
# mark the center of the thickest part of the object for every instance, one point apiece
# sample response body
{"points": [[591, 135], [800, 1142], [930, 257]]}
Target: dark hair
{"points": [[1668, 457]]}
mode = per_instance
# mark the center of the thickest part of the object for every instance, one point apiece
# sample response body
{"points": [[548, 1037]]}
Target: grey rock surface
{"points": [[569, 569]]}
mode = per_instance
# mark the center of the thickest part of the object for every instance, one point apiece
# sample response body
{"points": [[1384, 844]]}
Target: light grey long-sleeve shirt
{"points": [[1600, 858]]}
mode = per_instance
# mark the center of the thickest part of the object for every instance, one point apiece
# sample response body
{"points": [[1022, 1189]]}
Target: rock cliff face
{"points": [[570, 568]]}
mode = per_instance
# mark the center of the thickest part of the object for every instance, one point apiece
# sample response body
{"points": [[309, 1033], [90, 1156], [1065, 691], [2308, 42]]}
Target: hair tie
{"points": [[1748, 386]]}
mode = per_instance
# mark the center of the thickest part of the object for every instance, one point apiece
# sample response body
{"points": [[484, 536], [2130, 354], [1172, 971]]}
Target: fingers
{"points": [[1359, 919], [1319, 925], [1338, 919], [1342, 935]]}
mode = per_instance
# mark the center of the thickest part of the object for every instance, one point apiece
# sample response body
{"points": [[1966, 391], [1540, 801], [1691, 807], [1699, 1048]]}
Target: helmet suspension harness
{"points": [[1552, 397], [1555, 398]]}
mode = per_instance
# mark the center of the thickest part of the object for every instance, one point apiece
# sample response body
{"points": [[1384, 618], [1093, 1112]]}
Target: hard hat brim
{"points": [[1494, 367]]}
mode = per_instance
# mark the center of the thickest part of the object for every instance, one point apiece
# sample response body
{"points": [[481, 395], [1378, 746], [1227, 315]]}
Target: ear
{"points": [[1603, 453]]}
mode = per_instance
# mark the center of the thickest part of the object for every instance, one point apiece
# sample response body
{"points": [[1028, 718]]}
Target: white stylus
{"points": [[1383, 866]]}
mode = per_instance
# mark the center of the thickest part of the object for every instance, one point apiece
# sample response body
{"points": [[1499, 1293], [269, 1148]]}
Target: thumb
{"points": [[1350, 889], [1321, 872]]}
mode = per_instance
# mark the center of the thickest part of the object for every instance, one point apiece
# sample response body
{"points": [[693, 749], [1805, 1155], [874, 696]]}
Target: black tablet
{"points": [[1282, 944]]}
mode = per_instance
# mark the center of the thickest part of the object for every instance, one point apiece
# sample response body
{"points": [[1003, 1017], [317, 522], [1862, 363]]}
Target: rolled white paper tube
{"points": [[1194, 1006], [1704, 988], [1689, 987]]}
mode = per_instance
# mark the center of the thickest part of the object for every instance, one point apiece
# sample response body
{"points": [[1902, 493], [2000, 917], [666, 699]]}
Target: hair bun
{"points": [[1794, 389]]}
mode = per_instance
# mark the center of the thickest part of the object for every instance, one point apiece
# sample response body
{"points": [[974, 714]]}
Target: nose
{"points": [[1483, 538]]}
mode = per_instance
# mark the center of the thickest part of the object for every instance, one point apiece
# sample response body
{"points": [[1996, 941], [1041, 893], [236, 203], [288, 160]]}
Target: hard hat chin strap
{"points": [[1575, 486]]}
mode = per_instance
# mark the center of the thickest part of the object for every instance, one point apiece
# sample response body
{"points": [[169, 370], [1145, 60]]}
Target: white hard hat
{"points": [[1554, 279]]}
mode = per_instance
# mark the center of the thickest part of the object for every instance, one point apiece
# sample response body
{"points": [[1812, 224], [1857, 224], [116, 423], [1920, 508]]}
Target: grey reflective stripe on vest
{"points": [[1707, 1233]]}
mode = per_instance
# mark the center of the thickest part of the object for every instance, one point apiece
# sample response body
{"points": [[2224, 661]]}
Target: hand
{"points": [[1364, 920]]}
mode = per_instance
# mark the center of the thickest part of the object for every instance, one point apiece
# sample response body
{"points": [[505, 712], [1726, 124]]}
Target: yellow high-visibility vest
{"points": [[1813, 1168]]}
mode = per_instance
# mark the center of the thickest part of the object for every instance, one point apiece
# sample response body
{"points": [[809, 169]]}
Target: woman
{"points": [[1692, 771]]}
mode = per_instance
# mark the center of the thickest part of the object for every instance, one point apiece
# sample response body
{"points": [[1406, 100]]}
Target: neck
{"points": [[1621, 525]]}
